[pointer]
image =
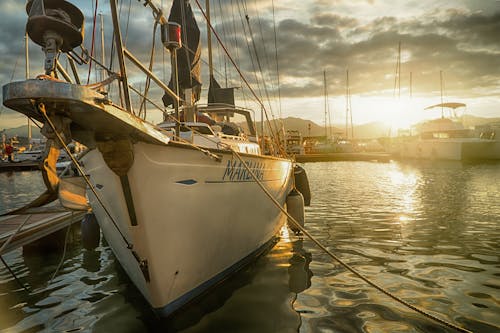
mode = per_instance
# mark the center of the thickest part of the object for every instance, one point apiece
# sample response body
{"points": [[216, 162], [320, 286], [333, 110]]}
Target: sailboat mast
{"points": [[441, 83], [209, 40], [347, 105], [103, 54], [27, 72], [326, 105], [120, 54]]}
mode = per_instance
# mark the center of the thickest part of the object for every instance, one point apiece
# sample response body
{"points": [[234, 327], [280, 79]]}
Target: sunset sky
{"points": [[461, 38]]}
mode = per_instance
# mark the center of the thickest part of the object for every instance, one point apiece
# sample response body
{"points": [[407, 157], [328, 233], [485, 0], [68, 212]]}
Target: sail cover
{"points": [[188, 57], [216, 94]]}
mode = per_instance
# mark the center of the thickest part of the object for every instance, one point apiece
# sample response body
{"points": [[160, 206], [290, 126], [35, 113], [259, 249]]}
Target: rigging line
{"points": [[128, 21], [64, 250], [93, 37], [138, 92], [213, 18], [236, 47], [340, 261], [148, 79], [237, 68], [269, 125], [277, 61], [41, 108], [254, 69], [266, 57], [11, 237], [224, 33], [4, 246], [11, 79], [261, 73], [26, 288], [275, 123], [397, 74], [186, 44]]}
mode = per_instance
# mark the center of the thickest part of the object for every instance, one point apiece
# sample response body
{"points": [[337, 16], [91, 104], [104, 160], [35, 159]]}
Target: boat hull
{"points": [[196, 219], [454, 150]]}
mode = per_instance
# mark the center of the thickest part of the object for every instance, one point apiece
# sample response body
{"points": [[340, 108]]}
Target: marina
{"points": [[190, 170], [19, 166], [428, 232]]}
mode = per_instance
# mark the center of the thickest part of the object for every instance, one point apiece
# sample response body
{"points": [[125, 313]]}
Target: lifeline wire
{"points": [[340, 261]]}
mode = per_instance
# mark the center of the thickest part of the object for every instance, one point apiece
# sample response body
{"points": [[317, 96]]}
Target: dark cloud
{"points": [[461, 42]]}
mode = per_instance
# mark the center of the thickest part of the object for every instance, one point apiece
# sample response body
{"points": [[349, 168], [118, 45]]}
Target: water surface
{"points": [[429, 233]]}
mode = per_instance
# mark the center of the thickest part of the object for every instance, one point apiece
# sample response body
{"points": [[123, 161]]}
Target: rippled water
{"points": [[428, 233]]}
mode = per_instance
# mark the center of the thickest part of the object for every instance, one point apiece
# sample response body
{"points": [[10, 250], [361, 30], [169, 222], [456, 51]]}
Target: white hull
{"points": [[197, 218], [450, 149]]}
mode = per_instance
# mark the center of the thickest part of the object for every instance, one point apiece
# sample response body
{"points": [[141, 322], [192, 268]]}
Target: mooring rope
{"points": [[340, 261], [4, 246]]}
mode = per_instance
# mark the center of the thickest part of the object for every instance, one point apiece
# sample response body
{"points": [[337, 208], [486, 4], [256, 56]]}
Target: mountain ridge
{"points": [[304, 126]]}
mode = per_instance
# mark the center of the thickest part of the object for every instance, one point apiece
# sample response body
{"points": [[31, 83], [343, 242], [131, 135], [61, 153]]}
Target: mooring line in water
{"points": [[4, 246], [64, 251], [7, 242], [341, 262]]}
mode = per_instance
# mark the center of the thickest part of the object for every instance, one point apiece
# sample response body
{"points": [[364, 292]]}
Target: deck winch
{"points": [[56, 25]]}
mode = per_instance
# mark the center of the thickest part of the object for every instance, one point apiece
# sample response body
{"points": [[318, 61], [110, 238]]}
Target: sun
{"points": [[395, 113]]}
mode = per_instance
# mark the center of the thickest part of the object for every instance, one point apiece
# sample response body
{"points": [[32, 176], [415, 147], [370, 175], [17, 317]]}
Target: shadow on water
{"points": [[257, 298], [299, 274]]}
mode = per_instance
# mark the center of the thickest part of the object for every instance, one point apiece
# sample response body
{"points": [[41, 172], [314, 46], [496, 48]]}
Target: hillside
{"points": [[305, 127], [21, 131], [310, 128]]}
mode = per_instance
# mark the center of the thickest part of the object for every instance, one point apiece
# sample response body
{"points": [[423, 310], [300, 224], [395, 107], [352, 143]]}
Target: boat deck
{"points": [[37, 227]]}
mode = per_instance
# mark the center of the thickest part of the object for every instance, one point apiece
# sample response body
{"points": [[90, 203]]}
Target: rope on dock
{"points": [[340, 261]]}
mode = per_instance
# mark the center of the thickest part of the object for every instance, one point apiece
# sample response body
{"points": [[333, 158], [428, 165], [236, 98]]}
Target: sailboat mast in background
{"points": [[348, 111]]}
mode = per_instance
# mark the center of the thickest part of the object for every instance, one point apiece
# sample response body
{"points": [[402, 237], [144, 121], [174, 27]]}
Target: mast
{"points": [[27, 73], [326, 104], [103, 54], [209, 40], [347, 104], [348, 108], [121, 60], [397, 76], [441, 83]]}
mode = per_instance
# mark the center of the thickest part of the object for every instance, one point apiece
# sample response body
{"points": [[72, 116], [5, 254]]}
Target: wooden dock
{"points": [[19, 166], [329, 157], [36, 227]]}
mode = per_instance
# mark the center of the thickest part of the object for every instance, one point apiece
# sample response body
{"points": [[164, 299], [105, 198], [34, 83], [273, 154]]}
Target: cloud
{"points": [[459, 38]]}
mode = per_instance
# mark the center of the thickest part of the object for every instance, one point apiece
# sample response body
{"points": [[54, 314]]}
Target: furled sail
{"points": [[188, 57]]}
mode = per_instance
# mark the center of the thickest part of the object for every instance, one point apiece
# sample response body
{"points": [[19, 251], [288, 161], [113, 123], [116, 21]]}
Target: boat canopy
{"points": [[446, 105]]}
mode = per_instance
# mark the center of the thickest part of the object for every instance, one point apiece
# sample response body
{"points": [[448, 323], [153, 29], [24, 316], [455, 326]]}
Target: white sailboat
{"points": [[180, 203]]}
